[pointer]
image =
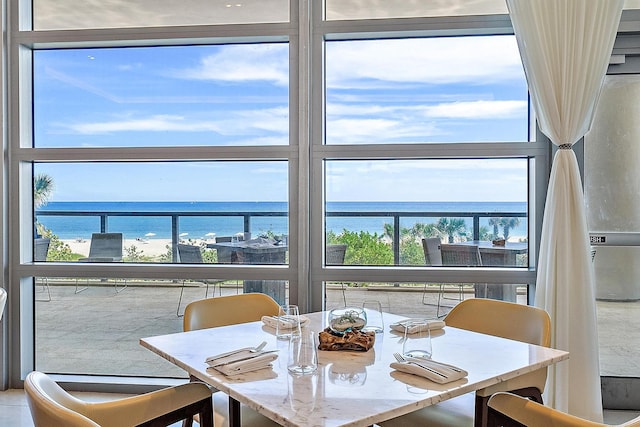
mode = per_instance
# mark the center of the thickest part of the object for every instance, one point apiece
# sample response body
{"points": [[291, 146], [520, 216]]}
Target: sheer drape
{"points": [[565, 47]]}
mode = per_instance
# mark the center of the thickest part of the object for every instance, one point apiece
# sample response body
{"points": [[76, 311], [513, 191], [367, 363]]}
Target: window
{"points": [[208, 129]]}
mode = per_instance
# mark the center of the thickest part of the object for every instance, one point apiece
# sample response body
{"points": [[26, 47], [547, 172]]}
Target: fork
{"points": [[400, 358], [255, 349]]}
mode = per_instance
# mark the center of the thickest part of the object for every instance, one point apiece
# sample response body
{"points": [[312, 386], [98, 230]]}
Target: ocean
{"points": [[199, 227]]}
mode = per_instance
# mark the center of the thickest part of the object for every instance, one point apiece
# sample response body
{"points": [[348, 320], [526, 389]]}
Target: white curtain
{"points": [[565, 47]]}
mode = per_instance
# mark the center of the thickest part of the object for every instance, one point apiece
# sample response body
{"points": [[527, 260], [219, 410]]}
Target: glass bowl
{"points": [[347, 319]]}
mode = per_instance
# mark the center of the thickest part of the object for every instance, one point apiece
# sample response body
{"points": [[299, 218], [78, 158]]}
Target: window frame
{"points": [[306, 153]]}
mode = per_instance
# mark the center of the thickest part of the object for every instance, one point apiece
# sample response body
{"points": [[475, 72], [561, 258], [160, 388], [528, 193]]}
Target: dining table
{"points": [[497, 255], [349, 388], [257, 251]]}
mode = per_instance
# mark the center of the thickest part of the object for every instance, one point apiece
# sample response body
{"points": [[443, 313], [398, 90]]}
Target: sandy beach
{"points": [[148, 247]]}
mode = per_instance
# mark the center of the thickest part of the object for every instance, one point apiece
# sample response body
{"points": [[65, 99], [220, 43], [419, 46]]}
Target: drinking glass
{"points": [[375, 322], [303, 353], [418, 343], [288, 315]]}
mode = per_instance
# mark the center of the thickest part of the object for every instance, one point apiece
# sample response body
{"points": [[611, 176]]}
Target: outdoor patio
{"points": [[97, 331]]}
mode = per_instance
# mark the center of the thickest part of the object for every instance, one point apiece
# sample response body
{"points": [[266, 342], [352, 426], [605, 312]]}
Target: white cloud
{"points": [[240, 122], [242, 63], [478, 109], [428, 180], [424, 61]]}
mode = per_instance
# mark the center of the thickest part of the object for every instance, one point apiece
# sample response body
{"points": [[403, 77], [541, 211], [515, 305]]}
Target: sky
{"points": [[377, 92]]}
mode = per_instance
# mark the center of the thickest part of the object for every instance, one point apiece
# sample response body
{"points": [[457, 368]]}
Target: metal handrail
{"points": [[247, 215]]}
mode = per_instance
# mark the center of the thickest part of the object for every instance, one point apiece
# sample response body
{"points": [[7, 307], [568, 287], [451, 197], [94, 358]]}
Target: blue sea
{"points": [[198, 227]]}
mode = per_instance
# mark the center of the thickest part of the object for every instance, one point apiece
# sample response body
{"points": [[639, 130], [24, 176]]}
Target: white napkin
{"points": [[241, 361], [285, 322], [432, 324], [435, 371]]}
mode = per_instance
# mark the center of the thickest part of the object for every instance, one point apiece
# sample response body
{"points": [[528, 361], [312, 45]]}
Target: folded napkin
{"points": [[285, 321], [440, 373], [432, 324], [241, 361]]}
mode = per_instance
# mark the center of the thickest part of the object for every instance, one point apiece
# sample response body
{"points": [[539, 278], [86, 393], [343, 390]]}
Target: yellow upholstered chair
{"points": [[51, 406], [228, 310], [223, 311], [499, 318], [532, 414]]}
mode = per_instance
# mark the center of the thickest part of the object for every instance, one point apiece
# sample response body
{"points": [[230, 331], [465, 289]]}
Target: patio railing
{"points": [[394, 216]]}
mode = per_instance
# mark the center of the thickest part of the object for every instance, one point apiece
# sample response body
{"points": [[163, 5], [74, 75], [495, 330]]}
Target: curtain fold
{"points": [[565, 47]]}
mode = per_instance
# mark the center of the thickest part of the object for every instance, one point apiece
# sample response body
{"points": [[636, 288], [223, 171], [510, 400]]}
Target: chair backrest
{"points": [[228, 310], [335, 254], [530, 413], [461, 255], [51, 406], [106, 245], [189, 254], [3, 301], [432, 248], [41, 249], [502, 319]]}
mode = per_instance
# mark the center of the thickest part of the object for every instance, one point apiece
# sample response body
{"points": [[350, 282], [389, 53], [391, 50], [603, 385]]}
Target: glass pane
{"points": [[162, 96], [450, 89], [423, 300], [81, 14], [154, 207], [357, 9], [613, 207], [93, 326], [383, 209]]}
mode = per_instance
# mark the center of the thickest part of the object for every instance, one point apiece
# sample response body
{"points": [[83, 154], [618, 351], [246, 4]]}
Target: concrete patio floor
{"points": [[97, 331]]}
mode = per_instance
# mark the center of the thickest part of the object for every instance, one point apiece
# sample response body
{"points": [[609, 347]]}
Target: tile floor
{"points": [[618, 333]]}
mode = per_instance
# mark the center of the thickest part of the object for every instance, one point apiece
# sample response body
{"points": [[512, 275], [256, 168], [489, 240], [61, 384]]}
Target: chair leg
{"points": [[77, 291], [180, 301], [45, 287], [344, 296], [440, 297], [122, 288]]}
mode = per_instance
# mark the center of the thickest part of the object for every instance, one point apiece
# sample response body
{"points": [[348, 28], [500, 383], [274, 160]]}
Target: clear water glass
{"points": [[417, 339], [288, 323], [303, 353]]}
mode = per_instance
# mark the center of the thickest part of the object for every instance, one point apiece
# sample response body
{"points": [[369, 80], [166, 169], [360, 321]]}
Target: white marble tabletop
{"points": [[349, 388]]}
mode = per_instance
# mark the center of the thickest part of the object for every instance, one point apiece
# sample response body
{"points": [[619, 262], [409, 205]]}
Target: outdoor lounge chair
{"points": [[105, 247], [40, 251], [335, 256], [460, 256], [433, 257], [191, 254]]}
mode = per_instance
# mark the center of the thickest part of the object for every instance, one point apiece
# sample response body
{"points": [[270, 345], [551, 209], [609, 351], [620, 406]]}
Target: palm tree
{"points": [[42, 189], [451, 227], [495, 222], [507, 224]]}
